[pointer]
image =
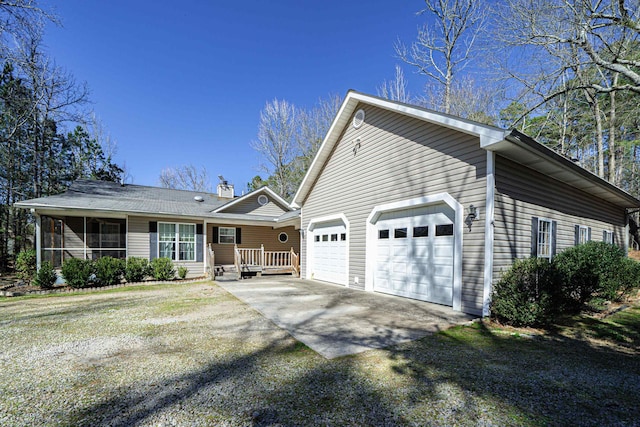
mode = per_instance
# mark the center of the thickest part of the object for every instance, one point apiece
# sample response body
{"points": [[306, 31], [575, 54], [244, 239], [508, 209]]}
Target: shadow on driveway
{"points": [[336, 321]]}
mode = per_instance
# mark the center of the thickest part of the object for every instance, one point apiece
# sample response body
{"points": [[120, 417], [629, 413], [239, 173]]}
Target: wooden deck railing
{"points": [[266, 260]]}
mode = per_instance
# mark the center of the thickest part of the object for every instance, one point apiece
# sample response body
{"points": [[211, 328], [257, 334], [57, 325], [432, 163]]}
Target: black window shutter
{"points": [[576, 241], [238, 235], [214, 237], [589, 234], [153, 239], [199, 243], [534, 236], [554, 234], [613, 237], [604, 235]]}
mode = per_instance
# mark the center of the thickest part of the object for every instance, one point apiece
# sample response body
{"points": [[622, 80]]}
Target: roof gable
{"points": [[262, 201], [353, 99]]}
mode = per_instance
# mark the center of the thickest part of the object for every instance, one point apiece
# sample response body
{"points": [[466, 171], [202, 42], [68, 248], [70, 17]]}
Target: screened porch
{"points": [[67, 237]]}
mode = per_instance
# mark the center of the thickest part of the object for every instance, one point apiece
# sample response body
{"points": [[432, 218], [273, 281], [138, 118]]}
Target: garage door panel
{"points": [[329, 261], [419, 267]]}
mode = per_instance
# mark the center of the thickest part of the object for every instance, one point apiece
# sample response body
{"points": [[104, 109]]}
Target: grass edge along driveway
{"points": [[192, 354]]}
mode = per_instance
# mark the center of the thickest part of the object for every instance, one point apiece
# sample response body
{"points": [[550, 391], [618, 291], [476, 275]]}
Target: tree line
{"points": [[38, 99]]}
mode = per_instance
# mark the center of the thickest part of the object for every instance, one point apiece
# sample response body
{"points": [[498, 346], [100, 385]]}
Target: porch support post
{"points": [[38, 240], [85, 237], [262, 255]]}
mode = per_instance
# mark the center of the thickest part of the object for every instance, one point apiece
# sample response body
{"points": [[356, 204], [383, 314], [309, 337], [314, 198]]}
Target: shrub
{"points": [[524, 295], [77, 272], [162, 269], [45, 277], [137, 269], [590, 271], [182, 272], [108, 271], [628, 278], [26, 265]]}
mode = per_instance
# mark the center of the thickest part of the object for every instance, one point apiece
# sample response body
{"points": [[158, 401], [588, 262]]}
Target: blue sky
{"points": [[179, 82]]}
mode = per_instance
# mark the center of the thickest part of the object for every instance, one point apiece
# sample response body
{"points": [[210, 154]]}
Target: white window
{"points": [[583, 234], [607, 236], [544, 238], [227, 235], [177, 236]]}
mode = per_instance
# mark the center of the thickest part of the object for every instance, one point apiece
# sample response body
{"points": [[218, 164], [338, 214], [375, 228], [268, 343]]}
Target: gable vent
{"points": [[358, 118]]}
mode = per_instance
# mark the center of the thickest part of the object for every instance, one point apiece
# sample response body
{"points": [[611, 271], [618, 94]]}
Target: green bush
{"points": [[45, 277], [628, 278], [524, 295], [182, 272], [162, 269], [108, 271], [590, 271], [137, 269], [26, 265], [77, 272]]}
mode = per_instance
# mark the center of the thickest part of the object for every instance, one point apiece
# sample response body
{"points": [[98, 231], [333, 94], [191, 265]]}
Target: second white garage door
{"points": [[415, 249], [329, 259]]}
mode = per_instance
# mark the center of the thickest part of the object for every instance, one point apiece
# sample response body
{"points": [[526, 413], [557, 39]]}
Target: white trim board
{"points": [[489, 233]]}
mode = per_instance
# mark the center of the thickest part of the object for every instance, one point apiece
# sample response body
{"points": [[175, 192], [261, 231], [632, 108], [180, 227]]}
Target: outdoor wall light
{"points": [[473, 212]]}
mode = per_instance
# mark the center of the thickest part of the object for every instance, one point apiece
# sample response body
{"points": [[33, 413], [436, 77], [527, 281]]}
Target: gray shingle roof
{"points": [[111, 196]]}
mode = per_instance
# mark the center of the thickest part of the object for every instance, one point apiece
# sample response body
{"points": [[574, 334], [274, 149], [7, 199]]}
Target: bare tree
{"points": [[445, 48], [603, 33], [277, 144], [396, 89], [186, 177], [468, 100], [575, 46], [313, 125]]}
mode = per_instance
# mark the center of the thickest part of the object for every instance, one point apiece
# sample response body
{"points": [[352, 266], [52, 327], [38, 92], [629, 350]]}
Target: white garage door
{"points": [[329, 262], [415, 254]]}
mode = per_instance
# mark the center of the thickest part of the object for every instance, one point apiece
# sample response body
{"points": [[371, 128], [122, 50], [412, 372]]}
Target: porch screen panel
{"points": [[167, 240], [52, 230]]}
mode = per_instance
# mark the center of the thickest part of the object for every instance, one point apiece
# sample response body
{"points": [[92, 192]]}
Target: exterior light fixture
{"points": [[473, 212]]}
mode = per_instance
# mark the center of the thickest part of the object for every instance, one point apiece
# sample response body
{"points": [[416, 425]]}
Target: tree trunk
{"points": [[613, 165]]}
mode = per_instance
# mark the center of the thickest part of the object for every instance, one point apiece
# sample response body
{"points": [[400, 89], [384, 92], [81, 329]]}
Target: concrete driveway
{"points": [[337, 321]]}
